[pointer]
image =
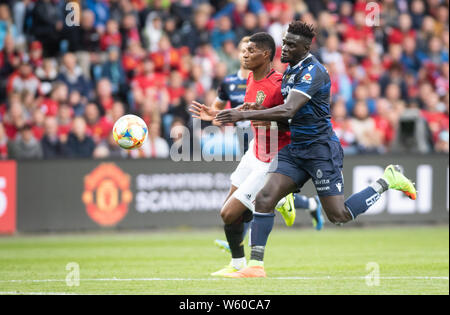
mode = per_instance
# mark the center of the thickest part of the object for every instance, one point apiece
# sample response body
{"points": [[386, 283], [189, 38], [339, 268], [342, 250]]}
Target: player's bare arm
{"points": [[282, 112]]}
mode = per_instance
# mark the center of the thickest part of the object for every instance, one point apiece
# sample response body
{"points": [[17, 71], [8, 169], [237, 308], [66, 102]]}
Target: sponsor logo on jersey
{"points": [[307, 78]]}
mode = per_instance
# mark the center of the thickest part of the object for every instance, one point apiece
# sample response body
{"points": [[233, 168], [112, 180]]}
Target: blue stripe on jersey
{"points": [[313, 121]]}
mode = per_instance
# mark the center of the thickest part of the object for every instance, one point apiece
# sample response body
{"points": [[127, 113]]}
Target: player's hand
{"points": [[229, 116], [202, 111]]}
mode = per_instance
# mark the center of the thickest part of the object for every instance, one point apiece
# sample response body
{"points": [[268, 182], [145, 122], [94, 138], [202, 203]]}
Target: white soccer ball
{"points": [[130, 132]]}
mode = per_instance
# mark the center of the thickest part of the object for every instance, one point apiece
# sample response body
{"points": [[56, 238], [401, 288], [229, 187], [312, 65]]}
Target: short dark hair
{"points": [[302, 29], [265, 41]]}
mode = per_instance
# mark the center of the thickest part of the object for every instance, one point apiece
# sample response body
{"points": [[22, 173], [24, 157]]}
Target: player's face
{"points": [[242, 50], [293, 49], [254, 57]]}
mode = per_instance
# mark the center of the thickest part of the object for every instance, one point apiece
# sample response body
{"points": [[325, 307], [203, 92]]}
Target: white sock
{"points": [[312, 204], [239, 263]]}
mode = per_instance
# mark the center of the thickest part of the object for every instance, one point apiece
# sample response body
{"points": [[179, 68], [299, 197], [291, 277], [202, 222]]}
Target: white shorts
{"points": [[250, 176]]}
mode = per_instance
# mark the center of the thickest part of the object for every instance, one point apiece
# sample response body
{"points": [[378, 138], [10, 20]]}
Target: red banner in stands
{"points": [[7, 197]]}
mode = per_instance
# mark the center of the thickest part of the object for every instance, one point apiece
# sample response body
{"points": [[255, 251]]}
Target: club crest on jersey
{"points": [[260, 97]]}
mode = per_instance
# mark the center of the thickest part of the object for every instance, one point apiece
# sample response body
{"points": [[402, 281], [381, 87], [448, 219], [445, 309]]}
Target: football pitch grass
{"points": [[348, 260]]}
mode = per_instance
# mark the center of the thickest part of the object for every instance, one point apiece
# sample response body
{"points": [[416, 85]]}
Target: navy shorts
{"points": [[321, 161]]}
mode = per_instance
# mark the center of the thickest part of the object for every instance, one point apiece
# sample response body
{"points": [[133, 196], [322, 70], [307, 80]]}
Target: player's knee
{"points": [[338, 216], [227, 217], [264, 202]]}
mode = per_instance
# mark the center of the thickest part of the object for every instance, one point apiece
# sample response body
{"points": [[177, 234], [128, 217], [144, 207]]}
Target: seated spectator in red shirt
{"points": [[358, 36], [98, 127], [148, 84], [175, 89], [14, 119], [23, 80], [59, 95], [112, 36], [166, 58], [37, 121], [132, 58], [435, 115], [65, 114], [105, 98], [79, 144], [397, 35], [36, 54], [385, 120], [342, 127]]}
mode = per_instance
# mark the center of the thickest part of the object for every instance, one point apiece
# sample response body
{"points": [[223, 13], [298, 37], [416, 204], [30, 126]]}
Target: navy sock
{"points": [[246, 227], [359, 203], [301, 202], [262, 225]]}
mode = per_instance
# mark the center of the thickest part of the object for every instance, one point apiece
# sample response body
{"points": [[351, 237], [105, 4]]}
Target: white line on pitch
{"points": [[218, 279]]}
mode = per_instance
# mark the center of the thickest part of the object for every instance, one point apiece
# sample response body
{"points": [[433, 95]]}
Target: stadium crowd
{"points": [[63, 85]]}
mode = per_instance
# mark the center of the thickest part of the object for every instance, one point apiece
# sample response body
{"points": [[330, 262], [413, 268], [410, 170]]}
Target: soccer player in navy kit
{"points": [[314, 152]]}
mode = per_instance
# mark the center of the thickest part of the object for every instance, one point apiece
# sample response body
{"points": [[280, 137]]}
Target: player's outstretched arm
{"points": [[294, 102]]}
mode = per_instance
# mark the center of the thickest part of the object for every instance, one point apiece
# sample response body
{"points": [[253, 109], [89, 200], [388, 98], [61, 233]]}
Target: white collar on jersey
{"points": [[239, 74], [301, 61]]}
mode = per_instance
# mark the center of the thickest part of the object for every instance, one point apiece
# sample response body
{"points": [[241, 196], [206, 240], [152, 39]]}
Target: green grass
{"points": [[411, 260]]}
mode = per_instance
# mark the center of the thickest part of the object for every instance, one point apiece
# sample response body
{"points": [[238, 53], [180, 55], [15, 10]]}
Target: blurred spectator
{"points": [[15, 118], [78, 144], [195, 32], [222, 32], [36, 57], [98, 127], [368, 138], [154, 146], [70, 73], [165, 57], [7, 25], [47, 73], [51, 144], [343, 128], [153, 31], [23, 80], [111, 37], [104, 96], [113, 70], [249, 27], [58, 95], [278, 28], [47, 26], [3, 143], [25, 146]]}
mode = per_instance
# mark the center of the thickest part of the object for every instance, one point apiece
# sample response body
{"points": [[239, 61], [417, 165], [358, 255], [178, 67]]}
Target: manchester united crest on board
{"points": [[260, 97], [107, 194]]}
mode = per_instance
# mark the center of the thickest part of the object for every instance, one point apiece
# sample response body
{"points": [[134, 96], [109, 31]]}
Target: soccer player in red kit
{"points": [[264, 91]]}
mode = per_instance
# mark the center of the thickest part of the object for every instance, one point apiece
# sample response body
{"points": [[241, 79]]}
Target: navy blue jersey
{"points": [[233, 89], [313, 120]]}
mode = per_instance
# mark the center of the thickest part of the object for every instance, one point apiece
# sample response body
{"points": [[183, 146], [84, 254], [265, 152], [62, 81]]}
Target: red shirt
{"points": [[266, 92], [101, 129], [108, 40]]}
